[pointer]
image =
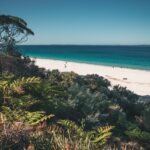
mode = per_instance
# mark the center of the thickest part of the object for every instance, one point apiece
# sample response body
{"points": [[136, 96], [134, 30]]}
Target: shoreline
{"points": [[135, 80]]}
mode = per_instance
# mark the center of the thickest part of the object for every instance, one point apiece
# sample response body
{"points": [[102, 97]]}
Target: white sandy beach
{"points": [[137, 81]]}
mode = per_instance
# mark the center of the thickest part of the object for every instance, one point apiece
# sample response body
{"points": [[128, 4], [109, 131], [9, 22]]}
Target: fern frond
{"points": [[102, 137], [3, 83], [31, 118], [103, 133], [138, 134], [17, 85], [72, 126], [2, 118], [39, 118], [105, 129]]}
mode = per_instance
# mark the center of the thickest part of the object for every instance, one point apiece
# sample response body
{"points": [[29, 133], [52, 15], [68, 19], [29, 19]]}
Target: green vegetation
{"points": [[52, 110]]}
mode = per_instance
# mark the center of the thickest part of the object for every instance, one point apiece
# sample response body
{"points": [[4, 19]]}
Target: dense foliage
{"points": [[52, 110]]}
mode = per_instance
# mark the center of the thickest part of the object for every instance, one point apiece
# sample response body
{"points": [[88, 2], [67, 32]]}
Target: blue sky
{"points": [[83, 21]]}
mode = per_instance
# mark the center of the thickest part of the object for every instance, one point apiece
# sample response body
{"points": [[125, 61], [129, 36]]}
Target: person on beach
{"points": [[66, 65]]}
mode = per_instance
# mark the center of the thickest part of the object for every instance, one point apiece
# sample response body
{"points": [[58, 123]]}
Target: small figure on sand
{"points": [[66, 64]]}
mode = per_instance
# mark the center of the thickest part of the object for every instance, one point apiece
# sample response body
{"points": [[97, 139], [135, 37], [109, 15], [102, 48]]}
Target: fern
{"points": [[17, 86], [138, 134], [39, 119], [31, 118], [72, 127], [99, 136], [2, 118], [102, 134]]}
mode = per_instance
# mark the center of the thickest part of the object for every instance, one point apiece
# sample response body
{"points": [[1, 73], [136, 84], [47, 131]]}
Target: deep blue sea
{"points": [[137, 57]]}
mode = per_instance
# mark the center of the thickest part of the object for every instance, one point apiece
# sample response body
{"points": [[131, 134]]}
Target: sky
{"points": [[100, 22]]}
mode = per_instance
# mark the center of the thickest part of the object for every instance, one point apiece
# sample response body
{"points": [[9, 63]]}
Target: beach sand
{"points": [[137, 81]]}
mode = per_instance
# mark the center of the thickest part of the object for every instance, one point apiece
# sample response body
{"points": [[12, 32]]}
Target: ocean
{"points": [[137, 57]]}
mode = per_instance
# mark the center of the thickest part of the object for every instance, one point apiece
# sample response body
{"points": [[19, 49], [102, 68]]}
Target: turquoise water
{"points": [[137, 57]]}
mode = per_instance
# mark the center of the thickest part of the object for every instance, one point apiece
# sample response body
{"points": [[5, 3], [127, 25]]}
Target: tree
{"points": [[13, 30]]}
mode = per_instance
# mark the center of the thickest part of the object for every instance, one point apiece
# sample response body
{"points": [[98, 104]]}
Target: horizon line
{"points": [[83, 44]]}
